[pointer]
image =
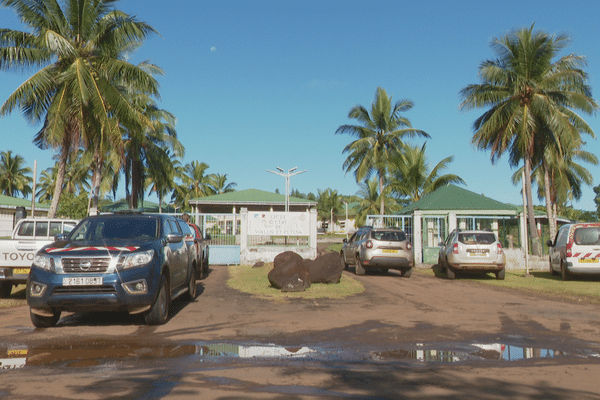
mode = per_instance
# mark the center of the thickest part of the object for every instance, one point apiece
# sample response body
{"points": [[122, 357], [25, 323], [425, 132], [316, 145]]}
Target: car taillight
{"points": [[568, 249], [499, 249], [408, 245], [369, 244], [455, 248]]}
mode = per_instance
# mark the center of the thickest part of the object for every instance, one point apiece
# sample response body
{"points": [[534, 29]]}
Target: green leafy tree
{"points": [[196, 183], [410, 176], [529, 99], [219, 185], [73, 206], [14, 177], [78, 50], [329, 204], [379, 137]]}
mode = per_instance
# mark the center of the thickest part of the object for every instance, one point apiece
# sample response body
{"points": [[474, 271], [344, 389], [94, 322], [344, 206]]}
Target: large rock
{"points": [[326, 268], [289, 272], [292, 273]]}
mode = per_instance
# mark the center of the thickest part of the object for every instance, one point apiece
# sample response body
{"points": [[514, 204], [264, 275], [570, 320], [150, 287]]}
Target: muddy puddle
{"points": [[97, 354]]}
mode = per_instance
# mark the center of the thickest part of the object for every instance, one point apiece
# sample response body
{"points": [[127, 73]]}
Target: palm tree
{"points": [[195, 183], [530, 97], [80, 49], [13, 175], [219, 186], [378, 138], [411, 178], [148, 148], [329, 204], [370, 200]]}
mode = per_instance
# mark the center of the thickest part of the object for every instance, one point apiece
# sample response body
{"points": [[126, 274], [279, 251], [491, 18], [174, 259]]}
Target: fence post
{"points": [[313, 233], [243, 235], [417, 238]]}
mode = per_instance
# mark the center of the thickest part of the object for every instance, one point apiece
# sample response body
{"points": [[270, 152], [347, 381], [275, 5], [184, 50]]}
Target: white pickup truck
{"points": [[16, 254]]}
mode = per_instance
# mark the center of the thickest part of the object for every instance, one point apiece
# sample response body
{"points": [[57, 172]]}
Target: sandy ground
{"points": [[368, 346]]}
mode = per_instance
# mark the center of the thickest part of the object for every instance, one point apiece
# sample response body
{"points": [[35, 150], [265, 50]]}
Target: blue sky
{"points": [[257, 85]]}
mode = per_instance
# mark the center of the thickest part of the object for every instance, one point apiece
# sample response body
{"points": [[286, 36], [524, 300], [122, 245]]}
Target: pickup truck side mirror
{"points": [[61, 237], [207, 237], [549, 243], [345, 240], [174, 238]]}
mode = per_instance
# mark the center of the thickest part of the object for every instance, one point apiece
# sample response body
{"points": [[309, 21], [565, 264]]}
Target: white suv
{"points": [[575, 250]]}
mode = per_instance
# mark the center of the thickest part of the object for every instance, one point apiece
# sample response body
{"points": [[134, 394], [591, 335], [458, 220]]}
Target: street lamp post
{"points": [[287, 176]]}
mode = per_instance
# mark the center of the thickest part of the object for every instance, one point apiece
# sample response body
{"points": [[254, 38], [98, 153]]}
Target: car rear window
{"points": [[587, 236], [390, 236], [476, 238]]}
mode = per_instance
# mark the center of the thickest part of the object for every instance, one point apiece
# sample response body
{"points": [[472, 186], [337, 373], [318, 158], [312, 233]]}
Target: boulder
{"points": [[290, 272], [326, 268]]}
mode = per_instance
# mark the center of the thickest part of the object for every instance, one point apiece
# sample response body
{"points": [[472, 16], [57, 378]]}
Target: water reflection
{"points": [[494, 351], [97, 354]]}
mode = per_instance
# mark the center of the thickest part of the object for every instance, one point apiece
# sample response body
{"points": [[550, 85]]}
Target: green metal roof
{"points": [[250, 196], [148, 206], [15, 202], [454, 198]]}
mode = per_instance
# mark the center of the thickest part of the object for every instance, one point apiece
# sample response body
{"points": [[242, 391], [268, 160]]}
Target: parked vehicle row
{"points": [[130, 262]]}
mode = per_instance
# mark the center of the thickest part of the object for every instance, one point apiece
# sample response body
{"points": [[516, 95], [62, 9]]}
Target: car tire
{"points": [[358, 267], [552, 271], [159, 312], [40, 321], [343, 261], [406, 273], [5, 289], [450, 274], [204, 267], [500, 274], [441, 263], [192, 291], [566, 275]]}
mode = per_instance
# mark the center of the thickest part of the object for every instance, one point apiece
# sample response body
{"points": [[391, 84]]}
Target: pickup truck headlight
{"points": [[136, 259], [43, 261]]}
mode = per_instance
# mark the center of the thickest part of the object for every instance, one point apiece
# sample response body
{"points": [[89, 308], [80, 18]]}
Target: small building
{"points": [[220, 216], [9, 208]]}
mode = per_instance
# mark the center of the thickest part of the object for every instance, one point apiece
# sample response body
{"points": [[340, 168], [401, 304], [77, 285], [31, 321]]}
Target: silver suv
{"points": [[382, 248], [472, 250]]}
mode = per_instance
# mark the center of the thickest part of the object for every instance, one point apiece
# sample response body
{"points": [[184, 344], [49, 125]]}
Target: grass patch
{"points": [[254, 281], [335, 247], [580, 289]]}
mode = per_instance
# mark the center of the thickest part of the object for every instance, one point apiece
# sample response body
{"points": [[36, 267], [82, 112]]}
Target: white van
{"points": [[576, 250]]}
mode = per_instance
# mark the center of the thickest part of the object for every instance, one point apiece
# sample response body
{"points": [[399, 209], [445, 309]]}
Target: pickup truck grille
{"points": [[85, 265], [84, 290]]}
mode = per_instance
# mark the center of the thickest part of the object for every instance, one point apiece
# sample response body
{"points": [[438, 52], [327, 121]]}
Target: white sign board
{"points": [[278, 223]]}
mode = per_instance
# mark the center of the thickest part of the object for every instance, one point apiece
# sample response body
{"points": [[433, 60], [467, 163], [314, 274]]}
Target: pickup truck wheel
{"points": [[40, 321], [204, 267], [406, 272], [191, 294], [5, 289], [358, 267], [159, 312]]}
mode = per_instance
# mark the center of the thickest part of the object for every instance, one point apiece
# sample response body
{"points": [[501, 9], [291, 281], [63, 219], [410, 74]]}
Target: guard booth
{"points": [[220, 216]]}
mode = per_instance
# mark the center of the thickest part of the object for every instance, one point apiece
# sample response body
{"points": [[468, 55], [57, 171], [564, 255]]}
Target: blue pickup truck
{"points": [[130, 262]]}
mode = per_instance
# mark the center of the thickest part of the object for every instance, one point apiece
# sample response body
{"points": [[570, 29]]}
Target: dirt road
{"points": [[416, 338]]}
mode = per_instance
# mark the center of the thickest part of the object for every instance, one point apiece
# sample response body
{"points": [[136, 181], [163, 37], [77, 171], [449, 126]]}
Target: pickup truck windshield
{"points": [[116, 229]]}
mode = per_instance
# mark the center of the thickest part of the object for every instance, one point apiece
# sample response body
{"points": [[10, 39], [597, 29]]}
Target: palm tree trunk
{"points": [[549, 203], [382, 206], [536, 247], [96, 179], [60, 179]]}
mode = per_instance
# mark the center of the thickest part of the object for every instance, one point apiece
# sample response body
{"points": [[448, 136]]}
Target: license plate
{"points": [[477, 253], [588, 260], [389, 251], [21, 271], [83, 281]]}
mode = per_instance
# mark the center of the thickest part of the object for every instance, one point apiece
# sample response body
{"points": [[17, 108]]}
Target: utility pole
{"points": [[287, 176]]}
